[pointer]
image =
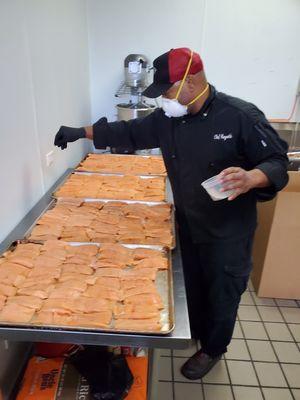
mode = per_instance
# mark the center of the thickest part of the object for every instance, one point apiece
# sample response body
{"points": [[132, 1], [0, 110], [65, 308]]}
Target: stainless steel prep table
{"points": [[179, 338]]}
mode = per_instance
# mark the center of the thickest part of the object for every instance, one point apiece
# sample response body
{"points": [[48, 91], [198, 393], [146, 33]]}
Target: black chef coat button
{"points": [[173, 156], [183, 121], [211, 164]]}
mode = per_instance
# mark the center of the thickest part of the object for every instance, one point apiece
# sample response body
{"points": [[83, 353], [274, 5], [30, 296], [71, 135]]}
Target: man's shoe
{"points": [[198, 365]]}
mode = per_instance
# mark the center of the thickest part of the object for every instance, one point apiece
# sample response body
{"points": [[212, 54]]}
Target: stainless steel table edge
{"points": [[179, 338]]}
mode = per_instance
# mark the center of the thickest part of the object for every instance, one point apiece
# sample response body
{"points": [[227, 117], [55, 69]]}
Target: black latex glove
{"points": [[67, 134]]}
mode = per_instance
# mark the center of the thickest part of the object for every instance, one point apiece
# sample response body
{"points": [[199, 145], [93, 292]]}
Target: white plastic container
{"points": [[213, 187]]}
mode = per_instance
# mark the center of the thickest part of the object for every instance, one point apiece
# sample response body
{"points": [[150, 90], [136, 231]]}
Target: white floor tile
{"points": [[247, 299], [291, 314], [237, 333], [164, 369], [247, 393], [263, 301], [250, 286], [277, 394], [286, 303], [162, 391], [237, 350], [261, 350], [292, 373], [270, 374], [164, 352], [254, 330], [215, 392], [248, 313], [295, 331], [270, 314], [287, 352], [188, 391], [218, 374], [278, 331], [242, 373], [296, 393]]}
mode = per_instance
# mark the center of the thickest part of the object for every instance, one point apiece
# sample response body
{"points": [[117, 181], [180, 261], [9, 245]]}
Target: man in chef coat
{"points": [[202, 133]]}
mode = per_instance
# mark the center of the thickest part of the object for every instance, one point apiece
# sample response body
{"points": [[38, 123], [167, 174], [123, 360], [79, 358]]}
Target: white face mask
{"points": [[173, 108]]}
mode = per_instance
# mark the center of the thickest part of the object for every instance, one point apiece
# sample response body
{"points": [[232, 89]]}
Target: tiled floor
{"points": [[262, 362]]}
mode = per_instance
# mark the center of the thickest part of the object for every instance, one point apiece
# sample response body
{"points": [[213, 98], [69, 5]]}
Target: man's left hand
{"points": [[242, 181]]}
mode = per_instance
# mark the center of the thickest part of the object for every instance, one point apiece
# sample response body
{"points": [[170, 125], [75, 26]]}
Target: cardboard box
{"points": [[56, 379], [53, 379], [276, 252]]}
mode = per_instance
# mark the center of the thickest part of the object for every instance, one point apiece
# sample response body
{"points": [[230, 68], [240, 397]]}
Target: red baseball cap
{"points": [[169, 68]]}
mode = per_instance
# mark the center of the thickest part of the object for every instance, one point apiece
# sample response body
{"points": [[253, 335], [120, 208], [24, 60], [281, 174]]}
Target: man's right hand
{"points": [[67, 134]]}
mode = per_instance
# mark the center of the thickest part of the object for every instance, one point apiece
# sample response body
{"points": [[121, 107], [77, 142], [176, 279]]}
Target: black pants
{"points": [[216, 275]]}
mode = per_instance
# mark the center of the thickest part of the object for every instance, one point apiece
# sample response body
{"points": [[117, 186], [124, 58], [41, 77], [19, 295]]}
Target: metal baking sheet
{"points": [[164, 284], [78, 167], [149, 203], [166, 182]]}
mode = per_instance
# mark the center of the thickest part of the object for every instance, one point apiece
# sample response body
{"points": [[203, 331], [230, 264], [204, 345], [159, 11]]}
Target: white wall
{"points": [[118, 28], [250, 48], [44, 81]]}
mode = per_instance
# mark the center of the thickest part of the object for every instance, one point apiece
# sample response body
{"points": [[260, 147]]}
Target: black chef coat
{"points": [[226, 132]]}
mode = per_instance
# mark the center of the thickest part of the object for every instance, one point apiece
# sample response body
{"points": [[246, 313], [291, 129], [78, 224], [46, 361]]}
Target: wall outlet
{"points": [[49, 158]]}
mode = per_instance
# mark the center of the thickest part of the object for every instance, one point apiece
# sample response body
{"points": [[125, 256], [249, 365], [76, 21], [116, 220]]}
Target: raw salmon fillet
{"points": [[12, 274], [88, 250], [47, 262], [7, 290], [77, 269], [79, 259], [136, 311], [64, 293], [81, 305], [124, 164], [2, 301], [148, 287], [27, 301], [53, 245], [90, 305], [111, 222], [159, 263], [113, 283], [139, 273], [58, 306], [16, 313], [46, 273], [144, 325], [134, 282], [109, 272], [66, 276], [102, 292], [76, 284], [59, 254], [92, 320], [39, 290], [113, 187], [24, 261], [142, 253], [146, 299], [39, 280], [45, 232]]}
